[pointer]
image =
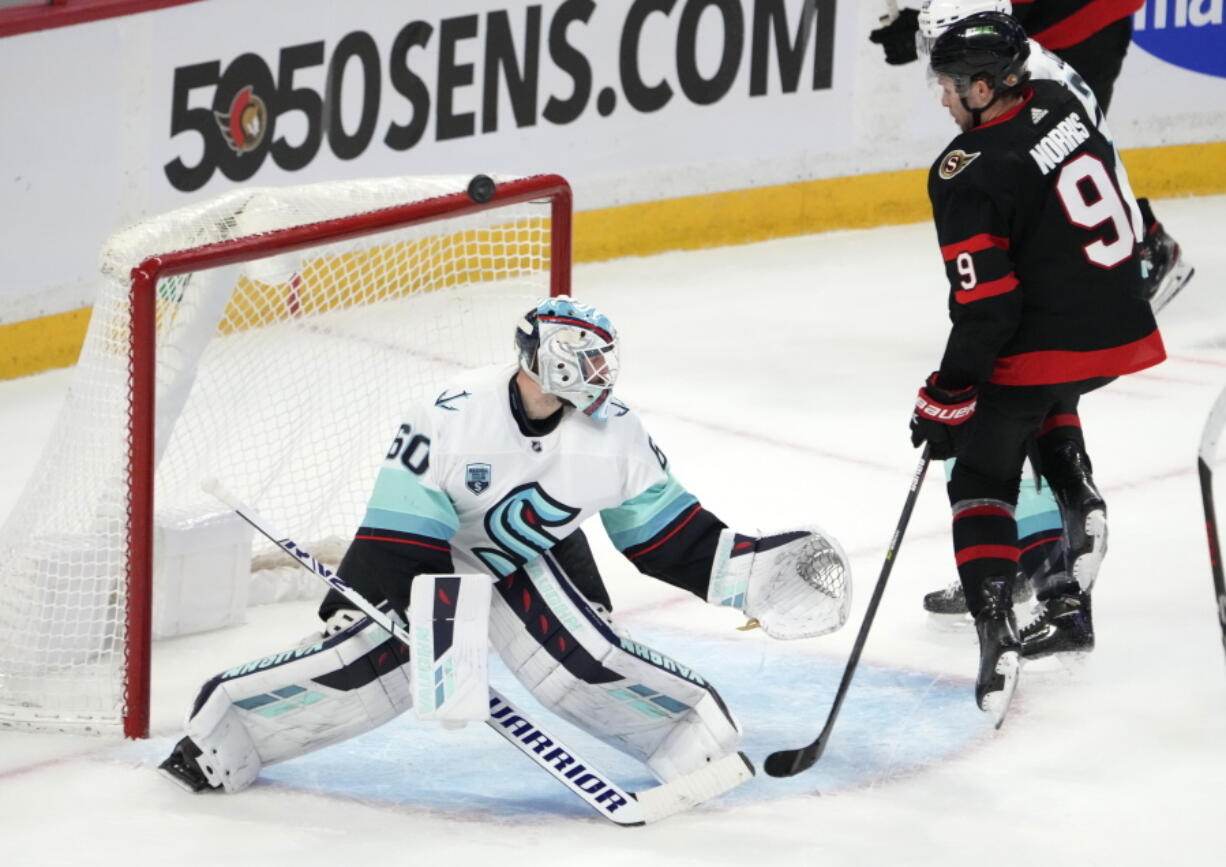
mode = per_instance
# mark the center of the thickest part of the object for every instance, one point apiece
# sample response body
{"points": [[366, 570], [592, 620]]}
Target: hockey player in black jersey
{"points": [[1040, 242], [1078, 36]]}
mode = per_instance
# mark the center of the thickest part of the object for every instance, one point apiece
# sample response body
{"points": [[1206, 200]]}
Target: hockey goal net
{"points": [[270, 338]]}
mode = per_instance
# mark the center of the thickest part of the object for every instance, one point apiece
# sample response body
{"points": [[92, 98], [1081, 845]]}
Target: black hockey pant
{"points": [[991, 454]]}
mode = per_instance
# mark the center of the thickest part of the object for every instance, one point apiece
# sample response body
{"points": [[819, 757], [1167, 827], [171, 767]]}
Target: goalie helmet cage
{"points": [[271, 338]]}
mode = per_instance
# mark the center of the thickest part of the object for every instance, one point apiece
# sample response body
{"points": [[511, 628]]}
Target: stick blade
{"points": [[789, 763]]}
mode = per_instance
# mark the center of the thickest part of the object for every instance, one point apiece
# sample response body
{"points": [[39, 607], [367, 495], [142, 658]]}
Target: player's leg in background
{"points": [[1163, 267], [1066, 466], [633, 697], [1062, 622], [1040, 534]]}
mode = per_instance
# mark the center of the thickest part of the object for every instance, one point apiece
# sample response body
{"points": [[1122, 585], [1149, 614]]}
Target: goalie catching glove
{"points": [[795, 584]]}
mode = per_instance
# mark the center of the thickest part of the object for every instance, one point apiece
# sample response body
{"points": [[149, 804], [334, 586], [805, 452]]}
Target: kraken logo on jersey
{"points": [[955, 161], [516, 524], [477, 477]]}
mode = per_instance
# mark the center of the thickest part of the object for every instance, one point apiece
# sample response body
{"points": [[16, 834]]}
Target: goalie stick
{"points": [[787, 763], [618, 805], [1204, 463]]}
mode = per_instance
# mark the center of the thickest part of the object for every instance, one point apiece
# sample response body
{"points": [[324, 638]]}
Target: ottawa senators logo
{"points": [[244, 125], [954, 162]]}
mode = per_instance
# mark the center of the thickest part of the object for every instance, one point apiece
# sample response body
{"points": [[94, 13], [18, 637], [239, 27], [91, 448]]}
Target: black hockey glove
{"points": [[898, 37], [938, 416]]}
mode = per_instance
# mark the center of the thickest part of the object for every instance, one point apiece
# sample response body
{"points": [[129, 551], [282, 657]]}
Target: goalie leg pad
{"points": [[298, 701], [630, 696], [449, 617], [795, 584]]}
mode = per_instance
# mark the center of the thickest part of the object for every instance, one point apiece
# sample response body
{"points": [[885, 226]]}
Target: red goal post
{"points": [[274, 323]]}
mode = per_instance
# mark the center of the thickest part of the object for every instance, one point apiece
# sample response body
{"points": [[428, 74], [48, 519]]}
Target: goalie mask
{"points": [[570, 350]]}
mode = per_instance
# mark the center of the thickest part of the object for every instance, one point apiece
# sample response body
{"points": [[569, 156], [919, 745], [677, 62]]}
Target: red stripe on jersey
{"points": [[1065, 419], [674, 532], [1085, 22], [404, 542], [1053, 365], [987, 552], [1027, 95], [986, 290], [979, 511], [974, 244], [1042, 541]]}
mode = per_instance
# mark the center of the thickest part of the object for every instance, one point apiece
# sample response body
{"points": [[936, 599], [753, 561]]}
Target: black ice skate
{"points": [[183, 770], [1082, 510], [1163, 269], [951, 601], [999, 651], [1063, 625]]}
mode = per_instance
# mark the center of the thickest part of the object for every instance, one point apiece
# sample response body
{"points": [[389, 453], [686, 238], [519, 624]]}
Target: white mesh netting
{"points": [[283, 377]]}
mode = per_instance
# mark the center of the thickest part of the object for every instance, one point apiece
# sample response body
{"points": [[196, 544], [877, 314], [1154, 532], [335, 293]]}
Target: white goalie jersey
{"points": [[461, 472]]}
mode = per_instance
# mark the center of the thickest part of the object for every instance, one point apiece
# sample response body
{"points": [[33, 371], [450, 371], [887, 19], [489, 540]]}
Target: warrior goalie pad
{"points": [[449, 622], [632, 697], [297, 701], [795, 584]]}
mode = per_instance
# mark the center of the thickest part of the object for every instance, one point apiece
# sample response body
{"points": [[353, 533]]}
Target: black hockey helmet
{"points": [[988, 46]]}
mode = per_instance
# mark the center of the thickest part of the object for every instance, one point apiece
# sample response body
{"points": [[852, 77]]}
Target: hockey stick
{"points": [[787, 763], [620, 806], [1204, 463]]}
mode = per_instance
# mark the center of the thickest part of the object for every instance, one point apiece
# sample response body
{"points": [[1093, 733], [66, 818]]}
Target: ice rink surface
{"points": [[778, 378]]}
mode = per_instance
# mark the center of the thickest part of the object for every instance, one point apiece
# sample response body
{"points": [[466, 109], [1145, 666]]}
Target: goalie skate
{"points": [[182, 767]]}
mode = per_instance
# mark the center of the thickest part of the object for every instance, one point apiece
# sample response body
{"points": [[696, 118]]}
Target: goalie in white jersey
{"points": [[494, 477]]}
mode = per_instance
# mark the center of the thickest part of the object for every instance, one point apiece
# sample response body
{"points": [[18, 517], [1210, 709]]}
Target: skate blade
{"points": [[1072, 661], [1058, 662], [182, 782], [951, 623], [1178, 277], [996, 704], [1085, 568]]}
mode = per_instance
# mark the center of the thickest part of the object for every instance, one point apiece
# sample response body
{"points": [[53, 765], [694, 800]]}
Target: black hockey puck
{"points": [[481, 189]]}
